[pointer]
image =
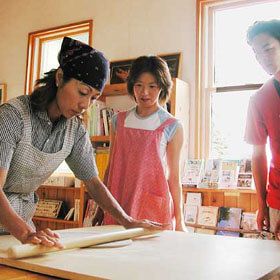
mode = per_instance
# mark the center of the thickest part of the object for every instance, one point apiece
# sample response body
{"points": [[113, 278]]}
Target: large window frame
{"points": [[205, 69], [38, 38]]}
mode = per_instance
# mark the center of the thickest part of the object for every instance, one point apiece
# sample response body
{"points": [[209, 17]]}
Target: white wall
{"points": [[122, 29]]}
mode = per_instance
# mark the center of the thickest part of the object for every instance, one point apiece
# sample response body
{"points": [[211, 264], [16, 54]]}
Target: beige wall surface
{"points": [[121, 29]]}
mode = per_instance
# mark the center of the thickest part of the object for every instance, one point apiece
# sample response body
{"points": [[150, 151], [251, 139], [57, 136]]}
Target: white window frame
{"points": [[205, 69], [35, 43]]}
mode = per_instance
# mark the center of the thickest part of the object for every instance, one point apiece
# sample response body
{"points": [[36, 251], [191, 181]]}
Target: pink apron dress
{"points": [[136, 177]]}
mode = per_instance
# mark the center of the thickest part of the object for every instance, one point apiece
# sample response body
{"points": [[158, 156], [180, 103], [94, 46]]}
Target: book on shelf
{"points": [[194, 199], [245, 175], [211, 174], [48, 208], [101, 159], [89, 214], [244, 180], [190, 213], [105, 121], [264, 235], [251, 235], [99, 119], [229, 217], [208, 216], [229, 174], [249, 221], [192, 172], [245, 166], [69, 214], [77, 210]]}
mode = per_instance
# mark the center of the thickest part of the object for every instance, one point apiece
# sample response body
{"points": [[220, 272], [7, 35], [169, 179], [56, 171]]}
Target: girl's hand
{"points": [[181, 227], [133, 223], [44, 237]]}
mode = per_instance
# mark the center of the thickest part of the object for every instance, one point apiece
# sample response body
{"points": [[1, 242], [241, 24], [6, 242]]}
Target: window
{"points": [[43, 48], [44, 45], [228, 74]]}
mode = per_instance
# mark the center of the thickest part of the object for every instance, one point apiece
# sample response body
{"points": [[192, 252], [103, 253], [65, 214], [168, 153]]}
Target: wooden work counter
{"points": [[168, 255], [8, 273]]}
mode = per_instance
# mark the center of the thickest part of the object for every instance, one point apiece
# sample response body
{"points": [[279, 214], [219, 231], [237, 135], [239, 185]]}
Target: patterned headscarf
{"points": [[84, 63]]}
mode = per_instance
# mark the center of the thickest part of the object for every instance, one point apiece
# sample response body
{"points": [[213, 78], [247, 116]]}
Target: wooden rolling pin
{"points": [[29, 250]]}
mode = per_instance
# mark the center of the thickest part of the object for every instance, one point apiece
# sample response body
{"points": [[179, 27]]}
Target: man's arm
{"points": [[259, 168]]}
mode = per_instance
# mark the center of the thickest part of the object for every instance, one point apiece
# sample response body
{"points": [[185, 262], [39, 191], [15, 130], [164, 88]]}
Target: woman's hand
{"points": [[44, 237], [98, 217]]}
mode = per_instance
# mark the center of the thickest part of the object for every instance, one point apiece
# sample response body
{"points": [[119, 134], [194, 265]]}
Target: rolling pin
{"points": [[29, 250]]}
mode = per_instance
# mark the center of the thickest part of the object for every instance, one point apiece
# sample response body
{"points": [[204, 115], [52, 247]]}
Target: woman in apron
{"points": [[146, 141], [39, 131]]}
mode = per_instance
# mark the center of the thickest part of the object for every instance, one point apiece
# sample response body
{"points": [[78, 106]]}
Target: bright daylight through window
{"points": [[234, 65]]}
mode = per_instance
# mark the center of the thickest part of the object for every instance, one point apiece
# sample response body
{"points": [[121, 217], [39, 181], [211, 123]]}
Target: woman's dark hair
{"points": [[270, 27], [45, 90], [158, 68]]}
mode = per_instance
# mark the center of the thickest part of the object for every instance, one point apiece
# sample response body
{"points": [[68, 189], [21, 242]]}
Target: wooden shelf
{"points": [[240, 198], [222, 229], [60, 187], [68, 195], [100, 139], [54, 220], [205, 190]]}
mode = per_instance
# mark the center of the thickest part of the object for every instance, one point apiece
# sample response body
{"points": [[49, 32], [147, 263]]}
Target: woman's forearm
{"points": [[102, 196], [9, 219]]}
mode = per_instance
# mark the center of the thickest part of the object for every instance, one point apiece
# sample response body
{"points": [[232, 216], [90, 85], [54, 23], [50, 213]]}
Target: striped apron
{"points": [[30, 167]]}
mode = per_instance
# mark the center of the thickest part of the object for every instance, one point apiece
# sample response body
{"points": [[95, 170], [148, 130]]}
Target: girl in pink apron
{"points": [[146, 141]]}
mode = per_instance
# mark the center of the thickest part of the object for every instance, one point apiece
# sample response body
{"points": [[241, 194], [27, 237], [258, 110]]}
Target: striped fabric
{"points": [[29, 166], [46, 137]]}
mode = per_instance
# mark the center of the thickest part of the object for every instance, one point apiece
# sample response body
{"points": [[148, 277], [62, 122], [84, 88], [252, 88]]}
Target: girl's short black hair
{"points": [[158, 68], [270, 27]]}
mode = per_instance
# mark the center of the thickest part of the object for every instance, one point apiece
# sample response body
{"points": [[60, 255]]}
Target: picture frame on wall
{"points": [[119, 70], [3, 93], [174, 63]]}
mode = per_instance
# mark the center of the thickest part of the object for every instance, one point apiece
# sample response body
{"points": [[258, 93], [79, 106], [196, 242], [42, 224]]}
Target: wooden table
{"points": [[8, 273], [168, 255]]}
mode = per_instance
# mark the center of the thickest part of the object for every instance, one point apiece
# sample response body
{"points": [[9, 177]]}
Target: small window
{"points": [[44, 45]]}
